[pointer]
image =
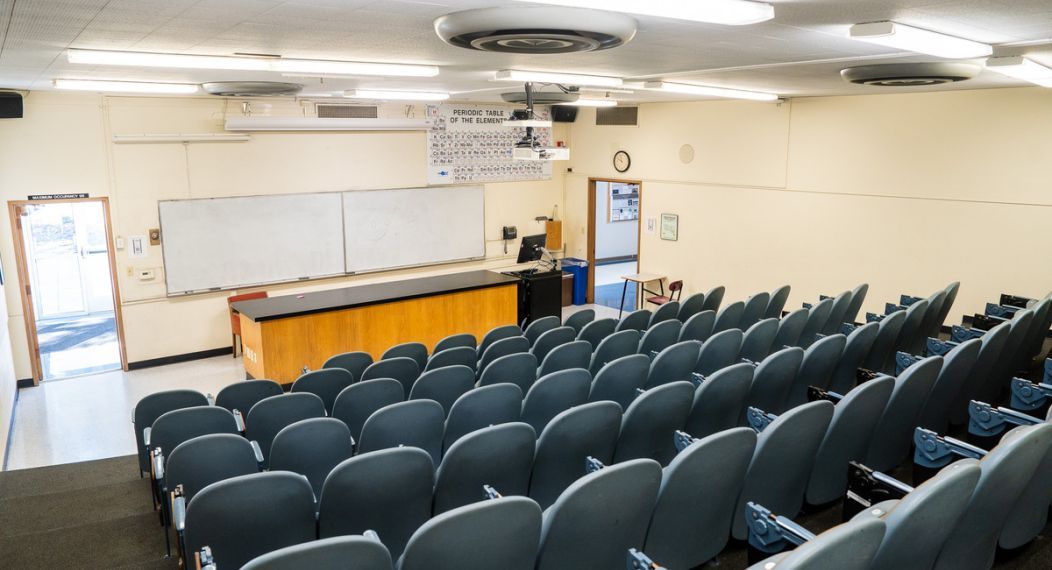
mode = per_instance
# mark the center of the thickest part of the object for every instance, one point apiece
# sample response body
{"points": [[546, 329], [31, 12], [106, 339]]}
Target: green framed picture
{"points": [[670, 227]]}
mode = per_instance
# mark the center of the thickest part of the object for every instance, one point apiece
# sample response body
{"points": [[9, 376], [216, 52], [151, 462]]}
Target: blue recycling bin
{"points": [[579, 269]]}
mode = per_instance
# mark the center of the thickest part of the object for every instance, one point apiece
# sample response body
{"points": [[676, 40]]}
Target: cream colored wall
{"points": [[63, 145], [7, 384], [906, 192]]}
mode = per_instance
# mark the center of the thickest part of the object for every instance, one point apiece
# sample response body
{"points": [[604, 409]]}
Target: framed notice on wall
{"points": [[670, 227], [623, 202]]}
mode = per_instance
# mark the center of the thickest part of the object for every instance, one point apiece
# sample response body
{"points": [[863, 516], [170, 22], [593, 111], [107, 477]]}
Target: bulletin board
{"points": [[623, 202]]}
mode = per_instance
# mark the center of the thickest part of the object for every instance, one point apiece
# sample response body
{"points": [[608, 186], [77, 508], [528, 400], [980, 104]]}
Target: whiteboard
{"points": [[387, 229], [221, 243]]}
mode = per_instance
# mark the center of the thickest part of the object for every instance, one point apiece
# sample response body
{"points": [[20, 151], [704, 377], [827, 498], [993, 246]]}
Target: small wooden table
{"points": [[641, 279]]}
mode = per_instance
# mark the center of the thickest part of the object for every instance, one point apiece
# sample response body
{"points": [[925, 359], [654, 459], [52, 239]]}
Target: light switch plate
{"points": [[651, 227]]}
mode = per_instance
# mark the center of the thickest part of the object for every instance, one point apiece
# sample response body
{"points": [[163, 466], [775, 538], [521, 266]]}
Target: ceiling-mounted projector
{"points": [[535, 29]]}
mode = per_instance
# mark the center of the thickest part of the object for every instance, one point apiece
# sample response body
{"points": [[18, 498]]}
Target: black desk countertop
{"points": [[287, 306]]}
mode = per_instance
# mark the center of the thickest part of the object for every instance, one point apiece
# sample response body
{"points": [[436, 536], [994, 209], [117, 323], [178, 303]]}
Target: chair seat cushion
{"points": [[658, 299]]}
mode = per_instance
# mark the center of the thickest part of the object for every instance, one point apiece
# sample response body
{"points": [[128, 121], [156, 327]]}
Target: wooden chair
{"points": [[675, 291], [235, 318]]}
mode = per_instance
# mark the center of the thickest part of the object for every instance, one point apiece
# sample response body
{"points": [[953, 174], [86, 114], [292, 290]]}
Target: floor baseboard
{"points": [[176, 358]]}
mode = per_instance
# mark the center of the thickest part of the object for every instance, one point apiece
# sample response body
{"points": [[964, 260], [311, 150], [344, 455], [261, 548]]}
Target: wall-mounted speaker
{"points": [[564, 113], [10, 105]]}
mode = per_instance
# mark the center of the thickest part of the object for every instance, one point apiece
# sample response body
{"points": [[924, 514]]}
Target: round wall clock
{"points": [[622, 162]]}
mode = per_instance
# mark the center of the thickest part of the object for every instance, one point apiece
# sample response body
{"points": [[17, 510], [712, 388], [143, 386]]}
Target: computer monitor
{"points": [[532, 248]]}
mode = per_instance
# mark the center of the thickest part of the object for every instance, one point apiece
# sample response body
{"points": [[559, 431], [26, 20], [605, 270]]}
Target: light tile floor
{"points": [[89, 417], [609, 274]]}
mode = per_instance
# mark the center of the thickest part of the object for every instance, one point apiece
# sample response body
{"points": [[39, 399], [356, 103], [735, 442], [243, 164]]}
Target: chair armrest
{"points": [[640, 561], [178, 509], [258, 451], [146, 437], [211, 399], [204, 560], [371, 535], [239, 420], [157, 464]]}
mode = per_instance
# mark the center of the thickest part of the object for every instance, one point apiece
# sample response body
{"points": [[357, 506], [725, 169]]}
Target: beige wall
{"points": [[63, 145], [906, 192], [7, 384]]}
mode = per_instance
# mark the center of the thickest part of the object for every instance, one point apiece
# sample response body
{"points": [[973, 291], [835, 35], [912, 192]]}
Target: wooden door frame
{"points": [[590, 251], [28, 313]]}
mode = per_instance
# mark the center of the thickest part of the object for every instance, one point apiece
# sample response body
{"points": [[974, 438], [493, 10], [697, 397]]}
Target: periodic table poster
{"points": [[469, 143]]}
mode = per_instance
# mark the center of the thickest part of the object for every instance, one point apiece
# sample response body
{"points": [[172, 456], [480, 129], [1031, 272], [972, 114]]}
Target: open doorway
{"points": [[613, 241], [69, 295]]}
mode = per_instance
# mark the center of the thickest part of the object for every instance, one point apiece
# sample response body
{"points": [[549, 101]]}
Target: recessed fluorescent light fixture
{"points": [[893, 34], [395, 95], [1021, 68], [169, 60], [562, 78], [729, 12], [126, 86], [592, 103], [688, 89]]}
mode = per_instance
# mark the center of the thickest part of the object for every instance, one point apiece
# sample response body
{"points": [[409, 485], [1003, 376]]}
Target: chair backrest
{"points": [[911, 327], [415, 350], [151, 407], [326, 554], [883, 349], [550, 339], [1035, 337], [456, 341], [595, 331], [1006, 470], [758, 340], [848, 546], [574, 354], [458, 355], [579, 319], [177, 426], [729, 317], [780, 466], [720, 351], [388, 491], [980, 382], [755, 307], [358, 401], [444, 385], [858, 345], [588, 430], [894, 434], [691, 306], [619, 380], [816, 322], [354, 362], [665, 312], [1030, 513], [502, 348], [272, 414], [847, 439], [917, 525], [235, 319], [540, 326], [636, 320], [497, 333], [617, 345], [816, 369], [837, 313], [484, 406], [719, 402], [790, 328], [698, 327], [599, 517], [935, 415], [230, 517], [699, 490], [651, 421], [944, 310], [714, 298], [519, 368], [674, 363], [778, 299], [660, 336], [931, 314], [1015, 346], [401, 368], [500, 533], [500, 456], [241, 396], [858, 297], [773, 380], [311, 448], [201, 461], [553, 394], [416, 423], [326, 383]]}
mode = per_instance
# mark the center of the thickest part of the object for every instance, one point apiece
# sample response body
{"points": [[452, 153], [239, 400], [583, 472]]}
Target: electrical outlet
{"points": [[119, 242], [146, 274]]}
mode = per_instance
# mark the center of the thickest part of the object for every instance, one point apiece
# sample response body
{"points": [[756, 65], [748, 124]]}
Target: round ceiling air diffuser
{"points": [[535, 30], [251, 88], [910, 74]]}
